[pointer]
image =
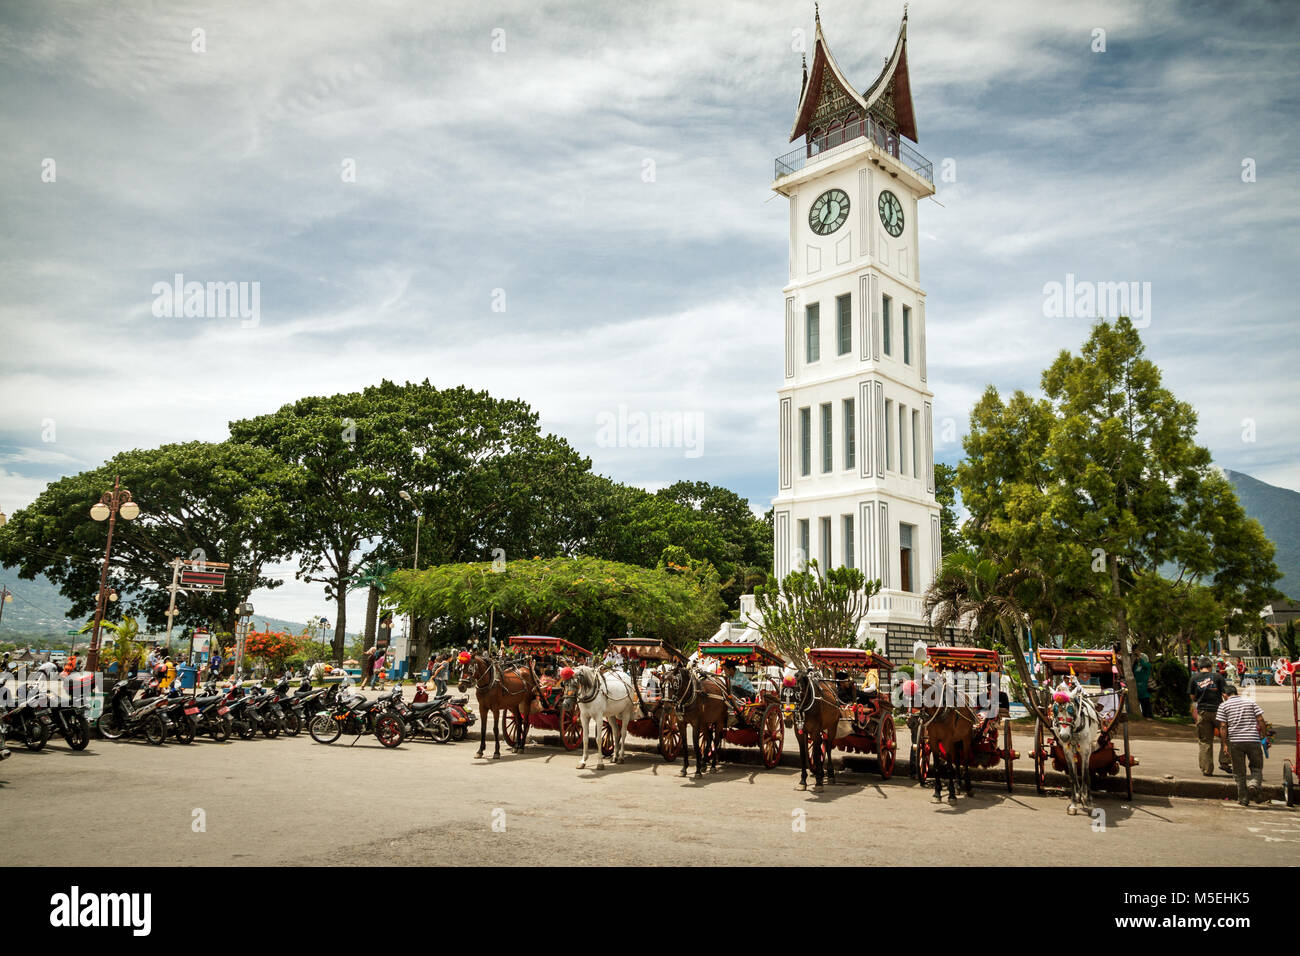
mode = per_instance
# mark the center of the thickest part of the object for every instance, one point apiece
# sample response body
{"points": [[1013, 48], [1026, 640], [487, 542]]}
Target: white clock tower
{"points": [[856, 425]]}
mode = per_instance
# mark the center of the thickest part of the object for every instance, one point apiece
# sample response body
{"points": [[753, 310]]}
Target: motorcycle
{"points": [[312, 699], [23, 717], [214, 715], [356, 715], [66, 718], [262, 714], [123, 717], [178, 708], [428, 718], [289, 708]]}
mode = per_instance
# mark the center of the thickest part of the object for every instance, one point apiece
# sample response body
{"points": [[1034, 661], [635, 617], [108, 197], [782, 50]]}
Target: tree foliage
{"points": [[813, 608]]}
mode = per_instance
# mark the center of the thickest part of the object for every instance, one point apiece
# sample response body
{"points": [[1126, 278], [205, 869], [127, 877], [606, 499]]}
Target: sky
{"points": [[570, 203]]}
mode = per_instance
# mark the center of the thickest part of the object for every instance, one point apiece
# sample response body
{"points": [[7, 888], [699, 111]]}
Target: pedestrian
{"points": [[1206, 690], [368, 667], [1242, 724], [440, 668], [1142, 675]]}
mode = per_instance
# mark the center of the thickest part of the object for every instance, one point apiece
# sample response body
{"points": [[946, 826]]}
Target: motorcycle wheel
{"points": [[221, 729], [389, 730], [108, 726], [324, 729], [245, 729], [459, 733], [78, 733], [271, 729], [38, 732], [184, 731], [292, 724], [155, 731], [439, 729]]}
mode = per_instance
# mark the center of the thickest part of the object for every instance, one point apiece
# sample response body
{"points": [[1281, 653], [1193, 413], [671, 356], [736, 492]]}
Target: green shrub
{"points": [[1169, 679]]}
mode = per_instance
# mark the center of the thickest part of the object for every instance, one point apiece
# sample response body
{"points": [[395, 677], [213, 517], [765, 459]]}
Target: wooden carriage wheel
{"points": [[887, 746], [570, 727], [1040, 758], [671, 736], [923, 764], [512, 729], [772, 735], [1008, 759], [607, 738], [1289, 793]]}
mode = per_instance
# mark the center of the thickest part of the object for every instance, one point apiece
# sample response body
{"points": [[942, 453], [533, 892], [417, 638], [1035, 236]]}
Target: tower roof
{"points": [[828, 93]]}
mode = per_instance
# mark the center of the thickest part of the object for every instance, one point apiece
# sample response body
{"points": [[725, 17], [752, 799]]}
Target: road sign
{"points": [[203, 580]]}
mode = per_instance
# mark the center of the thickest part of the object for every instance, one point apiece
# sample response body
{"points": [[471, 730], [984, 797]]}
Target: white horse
{"points": [[603, 696], [1078, 725]]}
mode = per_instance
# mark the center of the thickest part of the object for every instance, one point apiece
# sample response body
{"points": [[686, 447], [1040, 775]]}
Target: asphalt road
{"points": [[293, 801]]}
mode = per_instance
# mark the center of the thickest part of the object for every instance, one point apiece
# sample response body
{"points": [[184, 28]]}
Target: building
{"points": [[856, 465]]}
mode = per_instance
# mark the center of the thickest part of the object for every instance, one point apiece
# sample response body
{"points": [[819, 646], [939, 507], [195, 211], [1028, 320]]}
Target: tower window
{"points": [[805, 441], [906, 558], [825, 544], [887, 324], [916, 434], [813, 321], [844, 307], [889, 435], [907, 336], [801, 559], [902, 439], [828, 456], [848, 541], [850, 434]]}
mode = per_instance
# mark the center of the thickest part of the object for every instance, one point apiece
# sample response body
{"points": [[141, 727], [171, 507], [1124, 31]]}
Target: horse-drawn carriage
{"points": [[1105, 698], [866, 723], [548, 655], [756, 721], [659, 719], [973, 674]]}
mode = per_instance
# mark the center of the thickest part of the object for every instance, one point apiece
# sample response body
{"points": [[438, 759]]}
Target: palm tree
{"points": [[990, 599], [374, 576], [126, 651]]}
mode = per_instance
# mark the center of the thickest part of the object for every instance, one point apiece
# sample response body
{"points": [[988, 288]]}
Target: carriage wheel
{"points": [[887, 747], [1289, 784], [772, 735], [923, 764], [1040, 758], [607, 738], [513, 729], [670, 734], [1128, 765], [570, 728], [1007, 759]]}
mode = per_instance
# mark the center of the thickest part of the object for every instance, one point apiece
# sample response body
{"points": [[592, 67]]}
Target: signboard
{"points": [[203, 580]]}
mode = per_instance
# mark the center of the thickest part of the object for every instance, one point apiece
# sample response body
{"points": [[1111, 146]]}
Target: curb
{"points": [[1205, 789]]}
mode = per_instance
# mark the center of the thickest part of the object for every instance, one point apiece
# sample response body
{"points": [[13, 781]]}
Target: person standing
{"points": [[440, 668], [368, 667], [1142, 676], [1242, 724], [1206, 690]]}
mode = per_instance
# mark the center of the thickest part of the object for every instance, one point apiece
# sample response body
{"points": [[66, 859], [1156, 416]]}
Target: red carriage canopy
{"points": [[1083, 662], [849, 659], [963, 659], [541, 644], [742, 653]]}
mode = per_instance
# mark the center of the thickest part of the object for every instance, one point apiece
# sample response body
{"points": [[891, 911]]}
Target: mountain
{"points": [[37, 611], [1278, 511]]}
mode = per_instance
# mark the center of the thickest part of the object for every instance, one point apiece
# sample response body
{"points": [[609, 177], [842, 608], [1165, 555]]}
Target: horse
{"points": [[950, 731], [701, 703], [601, 696], [817, 722], [1078, 727], [499, 687]]}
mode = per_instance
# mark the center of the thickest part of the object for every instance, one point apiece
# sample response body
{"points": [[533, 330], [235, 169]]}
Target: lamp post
{"points": [[415, 564], [115, 502]]}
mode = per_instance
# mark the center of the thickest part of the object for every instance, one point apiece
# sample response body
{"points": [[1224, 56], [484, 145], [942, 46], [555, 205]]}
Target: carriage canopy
{"points": [[849, 659], [977, 659], [1089, 663], [742, 653], [645, 649], [541, 644]]}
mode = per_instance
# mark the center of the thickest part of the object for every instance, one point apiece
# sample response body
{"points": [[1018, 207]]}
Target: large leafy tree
{"points": [[945, 492], [813, 608], [1101, 481], [223, 502], [577, 598]]}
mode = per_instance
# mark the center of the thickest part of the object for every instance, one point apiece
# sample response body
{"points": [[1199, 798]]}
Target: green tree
{"points": [[812, 608], [222, 502], [945, 492], [1100, 481]]}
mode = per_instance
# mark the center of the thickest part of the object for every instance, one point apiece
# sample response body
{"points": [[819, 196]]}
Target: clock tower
{"points": [[856, 466]]}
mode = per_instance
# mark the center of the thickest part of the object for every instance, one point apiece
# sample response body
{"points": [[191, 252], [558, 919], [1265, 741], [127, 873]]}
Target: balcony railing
{"points": [[885, 139]]}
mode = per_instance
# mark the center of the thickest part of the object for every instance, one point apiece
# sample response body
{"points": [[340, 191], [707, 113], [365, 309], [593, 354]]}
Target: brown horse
{"points": [[816, 723], [950, 731], [500, 687], [701, 703]]}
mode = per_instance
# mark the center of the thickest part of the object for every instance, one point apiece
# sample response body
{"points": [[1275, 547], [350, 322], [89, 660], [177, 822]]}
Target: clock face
{"points": [[828, 212], [891, 213]]}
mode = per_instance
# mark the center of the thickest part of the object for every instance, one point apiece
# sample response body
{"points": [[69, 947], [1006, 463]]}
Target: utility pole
{"points": [[171, 608], [5, 595]]}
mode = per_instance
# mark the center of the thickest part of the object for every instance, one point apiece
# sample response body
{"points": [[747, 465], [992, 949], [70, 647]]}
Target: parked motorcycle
{"points": [[289, 709], [66, 717], [425, 717], [312, 699], [124, 717], [356, 715], [179, 709], [23, 718], [214, 715]]}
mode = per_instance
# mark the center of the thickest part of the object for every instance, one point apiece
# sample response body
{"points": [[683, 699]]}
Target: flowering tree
{"points": [[273, 647]]}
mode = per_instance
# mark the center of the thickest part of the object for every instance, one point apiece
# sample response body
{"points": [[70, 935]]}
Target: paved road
{"points": [[293, 801]]}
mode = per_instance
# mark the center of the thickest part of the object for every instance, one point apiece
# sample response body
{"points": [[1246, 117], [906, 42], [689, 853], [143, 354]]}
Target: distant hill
{"points": [[1278, 511], [37, 612]]}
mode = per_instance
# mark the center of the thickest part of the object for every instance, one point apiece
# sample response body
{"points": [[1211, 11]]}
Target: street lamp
{"points": [[113, 503], [415, 564]]}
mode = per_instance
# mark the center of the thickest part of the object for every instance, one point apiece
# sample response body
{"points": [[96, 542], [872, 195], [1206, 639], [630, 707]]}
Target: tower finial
{"points": [[905, 11], [817, 14]]}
